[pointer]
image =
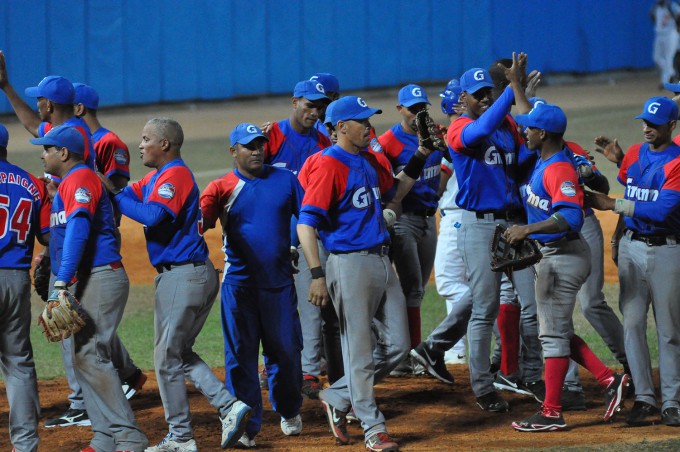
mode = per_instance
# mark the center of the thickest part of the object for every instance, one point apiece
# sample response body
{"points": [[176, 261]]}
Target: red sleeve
{"points": [[324, 141], [446, 169], [631, 156], [307, 169], [113, 156], [326, 183], [672, 172], [676, 140], [276, 138], [390, 145], [215, 197], [519, 139], [561, 183], [137, 186], [385, 177], [577, 149], [453, 134], [172, 188], [45, 204], [80, 192]]}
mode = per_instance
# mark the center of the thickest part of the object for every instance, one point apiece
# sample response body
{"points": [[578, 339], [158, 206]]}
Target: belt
{"points": [[571, 236], [380, 250], [653, 240], [160, 268], [112, 266], [429, 212], [492, 215]]}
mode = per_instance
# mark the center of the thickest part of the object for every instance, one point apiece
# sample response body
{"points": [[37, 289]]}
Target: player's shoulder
{"points": [[222, 184], [387, 137]]}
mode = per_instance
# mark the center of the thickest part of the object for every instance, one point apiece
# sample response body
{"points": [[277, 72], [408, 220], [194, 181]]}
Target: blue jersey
{"points": [[81, 126], [288, 149], [652, 180], [255, 215], [488, 173], [321, 128], [81, 193], [178, 238], [399, 147], [553, 185], [24, 211], [342, 199]]}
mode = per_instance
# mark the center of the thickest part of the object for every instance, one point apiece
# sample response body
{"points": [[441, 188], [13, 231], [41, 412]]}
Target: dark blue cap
{"points": [[659, 110], [86, 95], [475, 79], [53, 87], [64, 137], [351, 107], [544, 116]]}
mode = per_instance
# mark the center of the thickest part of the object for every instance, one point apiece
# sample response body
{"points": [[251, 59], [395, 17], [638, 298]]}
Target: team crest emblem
{"points": [[375, 145], [251, 129], [120, 156], [568, 188], [83, 196], [362, 102], [478, 75], [417, 92], [319, 88], [166, 191]]}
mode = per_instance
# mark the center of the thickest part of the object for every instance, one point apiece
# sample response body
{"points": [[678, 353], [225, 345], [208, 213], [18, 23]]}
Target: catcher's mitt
{"points": [[41, 275], [62, 316], [506, 257], [430, 135]]}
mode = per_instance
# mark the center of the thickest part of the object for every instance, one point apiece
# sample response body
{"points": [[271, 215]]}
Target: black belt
{"points": [[429, 212], [507, 215], [571, 236], [380, 250], [160, 268], [653, 240]]}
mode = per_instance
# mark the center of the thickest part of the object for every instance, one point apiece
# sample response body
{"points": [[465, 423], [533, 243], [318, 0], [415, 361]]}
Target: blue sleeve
{"points": [[659, 210], [146, 214], [572, 214], [75, 239], [490, 121], [298, 194]]}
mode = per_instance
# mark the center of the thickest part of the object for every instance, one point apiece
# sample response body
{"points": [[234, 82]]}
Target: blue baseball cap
{"points": [[64, 137], [475, 79], [86, 95], [4, 136], [659, 110], [451, 88], [329, 81], [350, 107], [329, 114], [245, 133], [675, 87], [53, 87], [411, 95], [544, 116], [311, 90]]}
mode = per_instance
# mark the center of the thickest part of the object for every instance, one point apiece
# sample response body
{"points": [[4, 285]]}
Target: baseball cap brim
{"points": [[32, 91], [248, 138], [477, 86], [416, 100], [316, 96], [675, 87], [526, 121], [651, 118], [45, 141], [364, 114]]}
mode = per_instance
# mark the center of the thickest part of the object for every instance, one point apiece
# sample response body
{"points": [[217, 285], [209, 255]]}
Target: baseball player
{"points": [[415, 232], [342, 204], [166, 201], [83, 245], [26, 217], [258, 295], [648, 258], [291, 142], [449, 270], [331, 85], [553, 200], [665, 15]]}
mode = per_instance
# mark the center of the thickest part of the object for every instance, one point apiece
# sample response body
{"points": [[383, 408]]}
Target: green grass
{"points": [[136, 331]]}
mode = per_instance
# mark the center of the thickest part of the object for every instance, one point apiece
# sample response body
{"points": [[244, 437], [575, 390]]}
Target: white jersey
{"points": [[664, 17], [448, 200]]}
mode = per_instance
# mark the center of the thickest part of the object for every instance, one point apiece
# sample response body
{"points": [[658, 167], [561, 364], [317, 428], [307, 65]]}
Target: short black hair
{"points": [[498, 74]]}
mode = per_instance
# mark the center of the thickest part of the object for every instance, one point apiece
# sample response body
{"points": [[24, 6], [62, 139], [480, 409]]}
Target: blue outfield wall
{"points": [[146, 51]]}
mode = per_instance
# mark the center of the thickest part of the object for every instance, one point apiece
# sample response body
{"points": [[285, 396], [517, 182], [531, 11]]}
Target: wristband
{"points": [[415, 165], [624, 206], [317, 272]]}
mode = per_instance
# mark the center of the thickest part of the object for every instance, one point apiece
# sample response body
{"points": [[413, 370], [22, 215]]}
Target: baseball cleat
{"points": [[72, 418], [351, 416], [535, 388], [170, 444], [134, 384], [291, 426], [310, 387], [539, 422], [642, 414], [613, 395], [337, 422], [234, 423], [573, 400], [510, 383], [245, 442], [493, 402], [671, 416], [432, 362], [381, 442]]}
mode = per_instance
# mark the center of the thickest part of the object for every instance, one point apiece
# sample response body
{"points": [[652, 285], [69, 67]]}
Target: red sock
{"points": [[555, 373], [414, 326], [582, 354], [508, 327]]}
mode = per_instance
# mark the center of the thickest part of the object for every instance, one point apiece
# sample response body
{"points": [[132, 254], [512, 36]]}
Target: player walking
{"points": [[258, 295], [26, 217], [166, 201], [554, 204]]}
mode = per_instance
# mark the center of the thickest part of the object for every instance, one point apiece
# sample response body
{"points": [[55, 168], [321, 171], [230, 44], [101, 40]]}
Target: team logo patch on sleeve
{"points": [[568, 188], [83, 196], [166, 191], [375, 145], [120, 156]]}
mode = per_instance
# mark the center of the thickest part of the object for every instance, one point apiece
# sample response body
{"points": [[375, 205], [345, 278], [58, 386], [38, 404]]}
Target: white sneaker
{"points": [[292, 426], [246, 442], [234, 423], [169, 444]]}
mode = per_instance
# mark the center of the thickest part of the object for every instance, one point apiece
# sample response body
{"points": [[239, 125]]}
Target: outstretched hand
{"points": [[518, 71], [609, 148]]}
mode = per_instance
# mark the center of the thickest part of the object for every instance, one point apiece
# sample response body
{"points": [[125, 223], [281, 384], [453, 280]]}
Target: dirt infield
{"points": [[422, 414]]}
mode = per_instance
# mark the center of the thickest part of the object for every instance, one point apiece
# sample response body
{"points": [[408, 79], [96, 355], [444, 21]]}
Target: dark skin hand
{"points": [[598, 201], [609, 148]]}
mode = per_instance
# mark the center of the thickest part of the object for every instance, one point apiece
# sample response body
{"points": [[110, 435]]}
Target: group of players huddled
{"points": [[330, 236]]}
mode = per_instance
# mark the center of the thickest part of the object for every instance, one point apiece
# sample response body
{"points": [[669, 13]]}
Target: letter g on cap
{"points": [[251, 129], [361, 102], [479, 75], [417, 92], [653, 107]]}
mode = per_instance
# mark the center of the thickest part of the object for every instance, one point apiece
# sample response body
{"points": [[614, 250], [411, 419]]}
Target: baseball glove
{"points": [[430, 135], [62, 316], [506, 257], [41, 275]]}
